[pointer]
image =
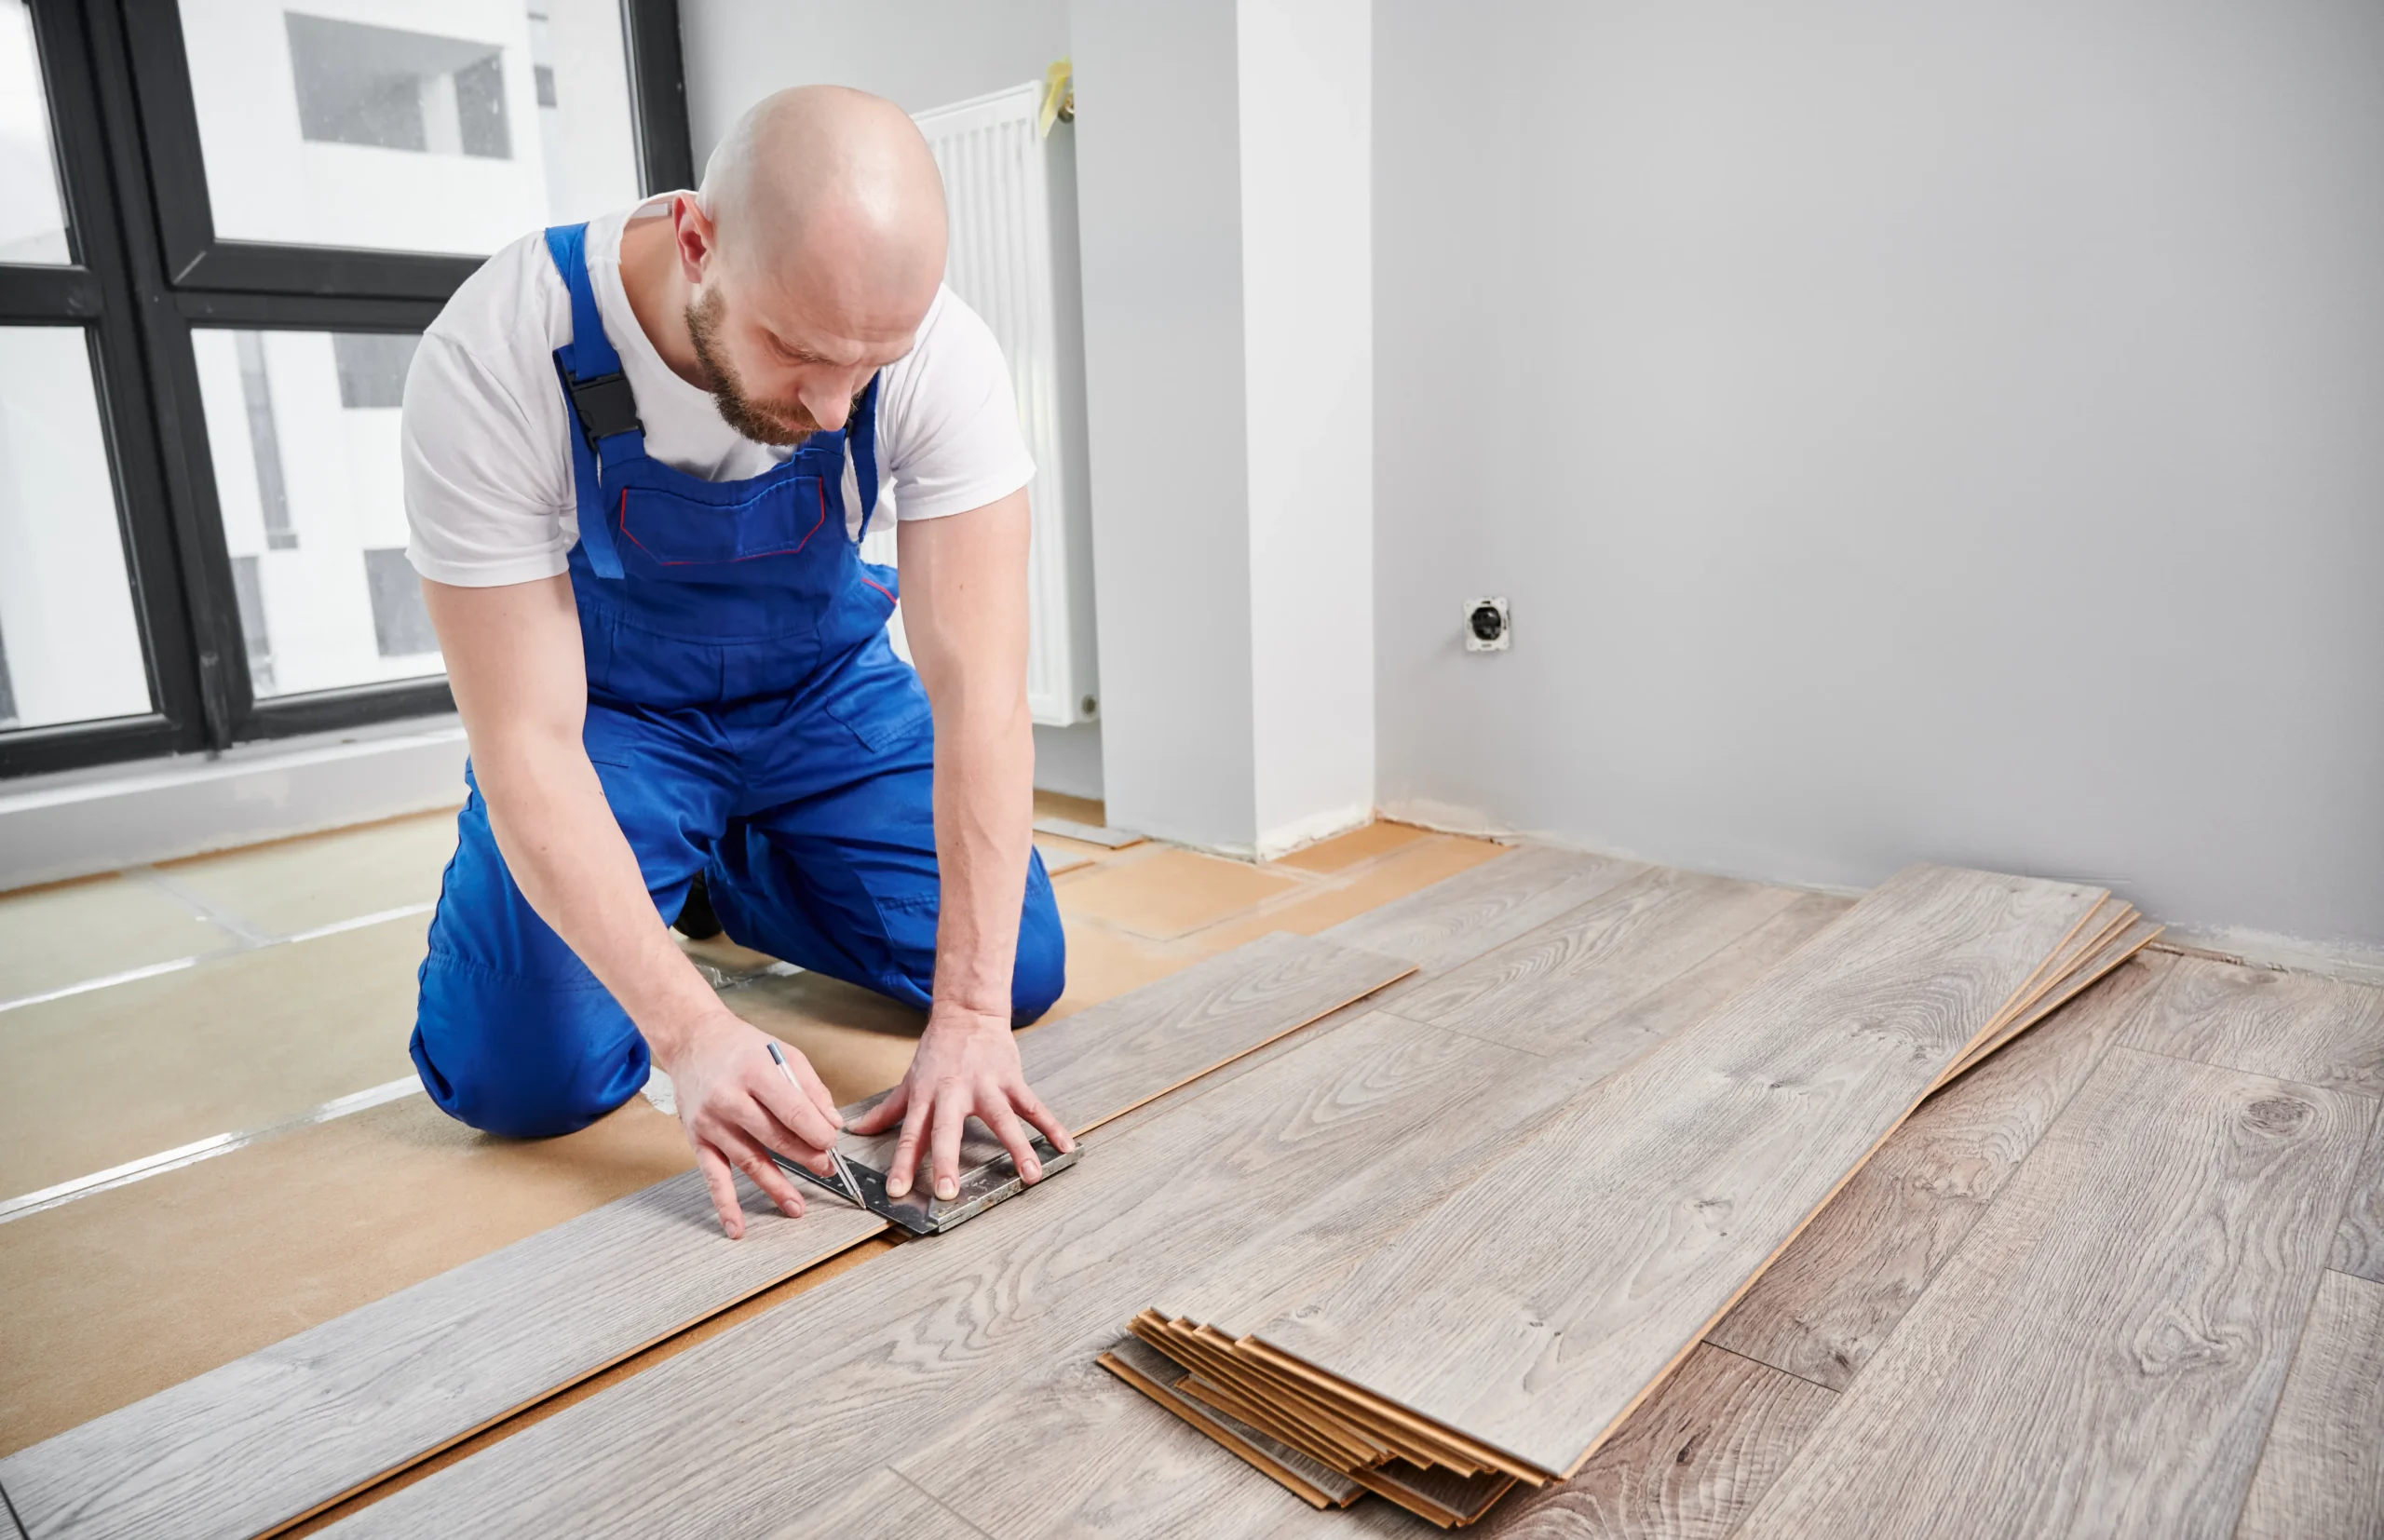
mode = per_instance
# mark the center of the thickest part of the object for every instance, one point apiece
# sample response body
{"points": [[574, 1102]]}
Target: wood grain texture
{"points": [[2294, 1026], [763, 1424], [1242, 1294], [1543, 991], [1487, 906], [1297, 1165], [1531, 1312], [1824, 1306], [2103, 1356], [2322, 1475], [273, 1436], [2359, 1242], [882, 1506], [2138, 934], [1158, 1377], [1687, 1465], [1107, 1060]]}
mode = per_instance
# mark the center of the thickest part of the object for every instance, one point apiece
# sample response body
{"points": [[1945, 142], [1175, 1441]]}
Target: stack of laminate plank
{"points": [[1505, 1333]]}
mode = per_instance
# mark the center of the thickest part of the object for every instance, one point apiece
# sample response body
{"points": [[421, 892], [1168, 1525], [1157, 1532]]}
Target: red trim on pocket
{"points": [[796, 550]]}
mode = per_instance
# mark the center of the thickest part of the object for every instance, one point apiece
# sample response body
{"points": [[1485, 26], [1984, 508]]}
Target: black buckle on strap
{"points": [[605, 406]]}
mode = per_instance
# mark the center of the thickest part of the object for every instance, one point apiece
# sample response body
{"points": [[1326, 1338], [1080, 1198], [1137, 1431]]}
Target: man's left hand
{"points": [[967, 1063]]}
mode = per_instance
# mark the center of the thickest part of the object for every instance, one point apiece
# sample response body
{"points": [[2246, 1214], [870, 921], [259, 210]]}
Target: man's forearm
{"points": [[984, 813], [567, 854]]}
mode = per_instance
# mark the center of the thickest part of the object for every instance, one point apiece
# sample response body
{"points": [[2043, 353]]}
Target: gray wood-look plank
{"points": [[275, 1434], [1543, 991], [1311, 1153], [1461, 917], [1533, 1309], [2359, 1242], [1825, 1304], [2322, 1475], [283, 1431], [1109, 1059], [994, 1464], [762, 1425], [2103, 1356], [1687, 1465], [882, 1506], [1321, 1246], [2294, 1026]]}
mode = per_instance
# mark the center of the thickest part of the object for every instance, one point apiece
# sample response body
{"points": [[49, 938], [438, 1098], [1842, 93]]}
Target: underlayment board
{"points": [[2104, 1355], [1312, 1151], [289, 1429], [1534, 1337]]}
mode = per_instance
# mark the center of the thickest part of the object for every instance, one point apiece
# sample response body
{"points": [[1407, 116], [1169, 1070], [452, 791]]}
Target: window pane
{"points": [[450, 125], [70, 646], [32, 218], [303, 428]]}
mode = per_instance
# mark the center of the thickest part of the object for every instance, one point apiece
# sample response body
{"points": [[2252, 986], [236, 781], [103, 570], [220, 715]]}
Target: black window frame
{"points": [[149, 268]]}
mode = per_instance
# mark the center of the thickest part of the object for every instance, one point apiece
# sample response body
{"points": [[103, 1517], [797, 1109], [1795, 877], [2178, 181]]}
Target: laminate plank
{"points": [[998, 1464], [1687, 1465], [2359, 1242], [1461, 917], [1293, 1166], [2104, 1353], [2294, 1026], [276, 1435], [1824, 1305], [1531, 1312], [1544, 990], [2137, 935], [2322, 1475], [1241, 1295], [882, 1506], [271, 1436], [1158, 1377], [759, 1426]]}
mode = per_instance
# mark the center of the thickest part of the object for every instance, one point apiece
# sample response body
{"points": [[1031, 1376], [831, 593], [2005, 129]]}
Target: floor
{"points": [[2124, 1278], [210, 1137]]}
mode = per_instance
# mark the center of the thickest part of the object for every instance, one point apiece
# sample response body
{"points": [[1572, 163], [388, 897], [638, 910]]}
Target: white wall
{"points": [[918, 54], [1160, 225], [1307, 117], [1905, 432]]}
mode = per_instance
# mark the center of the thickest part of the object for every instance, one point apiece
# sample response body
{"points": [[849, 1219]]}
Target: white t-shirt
{"points": [[486, 437]]}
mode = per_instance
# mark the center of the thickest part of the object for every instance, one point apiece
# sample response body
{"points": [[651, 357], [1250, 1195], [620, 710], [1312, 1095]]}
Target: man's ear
{"points": [[698, 241]]}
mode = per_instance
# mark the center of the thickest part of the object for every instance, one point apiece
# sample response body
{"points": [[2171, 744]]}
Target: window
{"points": [[223, 225]]}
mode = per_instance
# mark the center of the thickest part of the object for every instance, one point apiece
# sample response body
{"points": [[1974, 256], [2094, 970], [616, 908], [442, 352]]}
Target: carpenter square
{"points": [[917, 1212]]}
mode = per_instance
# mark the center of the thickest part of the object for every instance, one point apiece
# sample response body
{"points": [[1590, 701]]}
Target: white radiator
{"points": [[1012, 256]]}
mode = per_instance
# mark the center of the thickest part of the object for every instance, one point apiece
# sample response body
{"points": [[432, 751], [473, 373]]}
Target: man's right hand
{"points": [[736, 1108]]}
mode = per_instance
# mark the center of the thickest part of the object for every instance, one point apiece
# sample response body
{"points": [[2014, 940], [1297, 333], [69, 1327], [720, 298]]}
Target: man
{"points": [[639, 457]]}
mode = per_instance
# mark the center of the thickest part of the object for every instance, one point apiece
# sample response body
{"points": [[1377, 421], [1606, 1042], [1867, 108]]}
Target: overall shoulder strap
{"points": [[589, 371], [860, 441]]}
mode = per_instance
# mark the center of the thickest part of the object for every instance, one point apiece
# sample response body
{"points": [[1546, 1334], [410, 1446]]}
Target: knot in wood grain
{"points": [[2278, 1114]]}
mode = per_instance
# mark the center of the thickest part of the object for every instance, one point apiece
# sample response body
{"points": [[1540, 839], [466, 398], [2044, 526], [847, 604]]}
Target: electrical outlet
{"points": [[1489, 627]]}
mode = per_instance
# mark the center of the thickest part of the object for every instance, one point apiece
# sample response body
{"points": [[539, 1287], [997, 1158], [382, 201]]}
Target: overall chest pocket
{"points": [[780, 518]]}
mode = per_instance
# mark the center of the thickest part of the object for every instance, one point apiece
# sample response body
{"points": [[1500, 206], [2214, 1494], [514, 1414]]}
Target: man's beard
{"points": [[764, 422]]}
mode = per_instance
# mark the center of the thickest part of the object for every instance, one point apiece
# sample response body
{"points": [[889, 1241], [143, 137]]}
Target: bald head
{"points": [[823, 185], [812, 256]]}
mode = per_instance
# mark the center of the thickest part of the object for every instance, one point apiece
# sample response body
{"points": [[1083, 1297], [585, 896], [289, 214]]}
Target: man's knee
{"points": [[524, 1058], [1040, 975]]}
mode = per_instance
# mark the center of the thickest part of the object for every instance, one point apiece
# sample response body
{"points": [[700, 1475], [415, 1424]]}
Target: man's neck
{"points": [[659, 294]]}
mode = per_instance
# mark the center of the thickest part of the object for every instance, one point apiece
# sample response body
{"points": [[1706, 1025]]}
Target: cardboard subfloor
{"points": [[299, 885], [53, 937], [233, 1043], [116, 1295], [1162, 893]]}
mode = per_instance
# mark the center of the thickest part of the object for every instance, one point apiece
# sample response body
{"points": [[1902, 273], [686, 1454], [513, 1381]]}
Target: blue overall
{"points": [[747, 720]]}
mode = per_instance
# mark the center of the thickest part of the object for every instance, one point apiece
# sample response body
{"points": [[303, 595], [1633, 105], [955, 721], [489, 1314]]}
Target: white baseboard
{"points": [[79, 822]]}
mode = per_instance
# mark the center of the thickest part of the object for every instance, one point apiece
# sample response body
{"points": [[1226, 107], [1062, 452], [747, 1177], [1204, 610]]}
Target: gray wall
{"points": [[1904, 431]]}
